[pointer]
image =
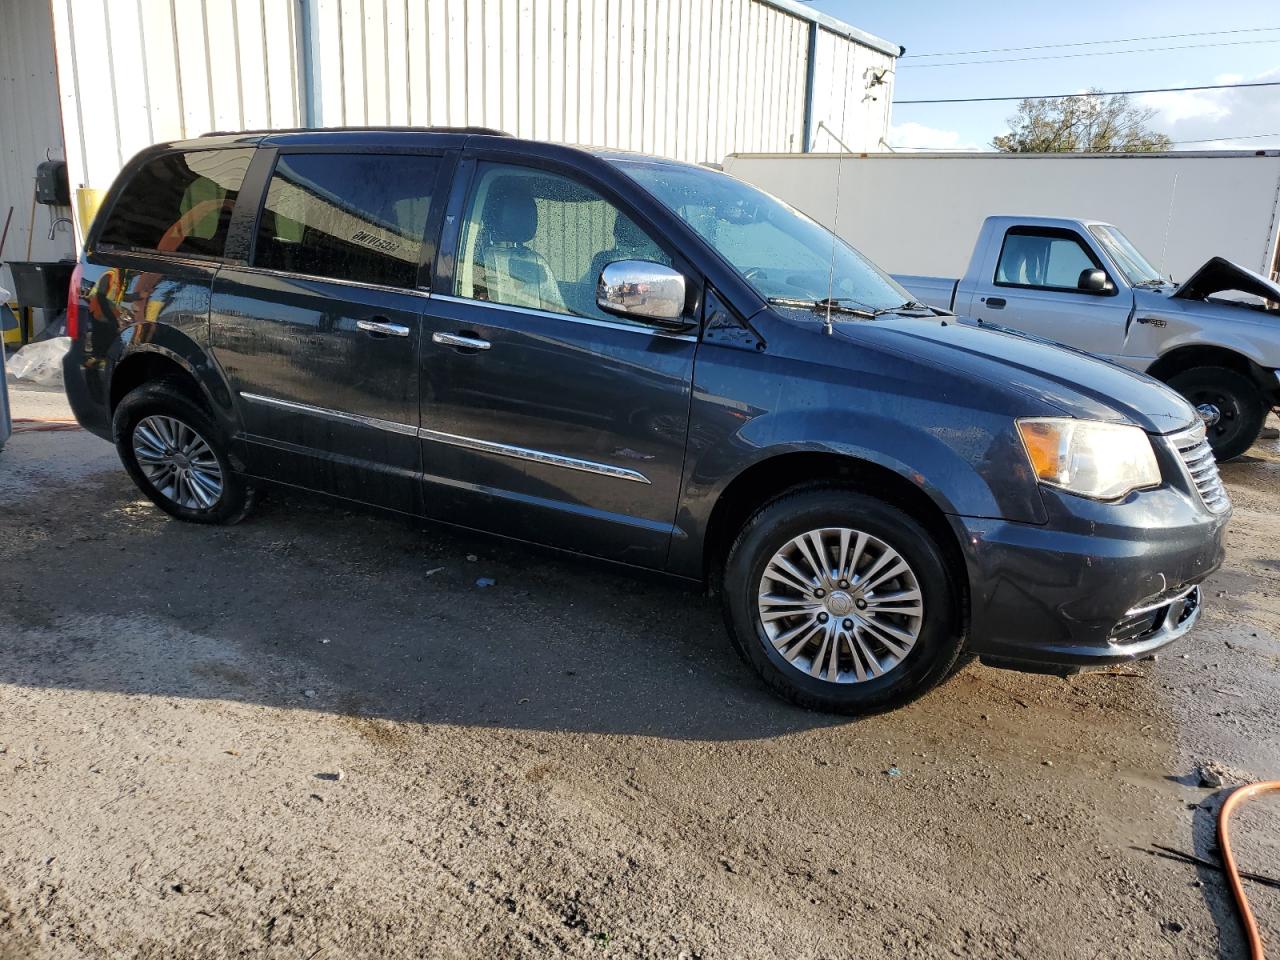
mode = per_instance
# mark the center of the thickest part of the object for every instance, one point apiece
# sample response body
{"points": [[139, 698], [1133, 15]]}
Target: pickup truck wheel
{"points": [[1230, 404], [177, 456], [841, 602]]}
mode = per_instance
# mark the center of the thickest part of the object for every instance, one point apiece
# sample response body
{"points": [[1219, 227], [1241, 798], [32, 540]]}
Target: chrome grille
{"points": [[1197, 457]]}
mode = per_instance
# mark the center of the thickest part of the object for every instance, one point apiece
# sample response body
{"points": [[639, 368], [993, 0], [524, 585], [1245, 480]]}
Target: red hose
{"points": [[1239, 796]]}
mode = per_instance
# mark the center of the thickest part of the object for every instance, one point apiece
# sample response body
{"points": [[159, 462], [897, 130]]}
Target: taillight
{"points": [[73, 303]]}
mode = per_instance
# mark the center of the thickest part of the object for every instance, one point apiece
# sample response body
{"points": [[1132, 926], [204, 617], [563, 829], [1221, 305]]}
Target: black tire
{"points": [[167, 399], [939, 639], [1239, 403]]}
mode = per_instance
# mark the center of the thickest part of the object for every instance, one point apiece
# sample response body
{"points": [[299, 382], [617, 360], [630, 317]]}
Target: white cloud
{"points": [[1204, 114], [907, 137]]}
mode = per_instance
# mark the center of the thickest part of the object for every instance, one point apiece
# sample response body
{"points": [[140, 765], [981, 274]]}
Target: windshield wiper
{"points": [[909, 305], [1155, 282], [834, 304]]}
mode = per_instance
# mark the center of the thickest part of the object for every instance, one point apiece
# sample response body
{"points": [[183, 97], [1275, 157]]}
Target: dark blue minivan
{"points": [[643, 361]]}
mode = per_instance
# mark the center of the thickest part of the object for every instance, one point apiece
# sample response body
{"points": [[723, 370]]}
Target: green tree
{"points": [[1101, 123]]}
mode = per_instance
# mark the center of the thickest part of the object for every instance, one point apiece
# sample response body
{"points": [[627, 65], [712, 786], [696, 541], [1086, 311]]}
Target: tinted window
{"points": [[1043, 260], [347, 216], [539, 240], [179, 203]]}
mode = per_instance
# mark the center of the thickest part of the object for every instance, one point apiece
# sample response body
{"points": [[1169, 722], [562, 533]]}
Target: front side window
{"points": [[179, 203], [539, 240], [777, 249], [1043, 259], [347, 216]]}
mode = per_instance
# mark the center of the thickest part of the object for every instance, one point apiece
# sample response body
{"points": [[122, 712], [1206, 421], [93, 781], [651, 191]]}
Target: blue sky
{"points": [[934, 26]]}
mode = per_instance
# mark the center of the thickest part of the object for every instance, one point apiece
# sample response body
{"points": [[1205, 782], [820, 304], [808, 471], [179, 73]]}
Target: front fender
{"points": [[965, 466], [1190, 324]]}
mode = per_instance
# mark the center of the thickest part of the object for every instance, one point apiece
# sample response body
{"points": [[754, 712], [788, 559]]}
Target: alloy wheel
{"points": [[840, 605], [178, 462]]}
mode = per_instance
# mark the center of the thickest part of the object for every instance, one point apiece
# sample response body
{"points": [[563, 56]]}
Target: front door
{"points": [[319, 335], [543, 417], [1036, 289]]}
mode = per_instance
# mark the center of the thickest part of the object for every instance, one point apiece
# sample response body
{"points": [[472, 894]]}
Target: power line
{"points": [[1091, 53], [1252, 136], [1095, 93], [909, 149], [1088, 43]]}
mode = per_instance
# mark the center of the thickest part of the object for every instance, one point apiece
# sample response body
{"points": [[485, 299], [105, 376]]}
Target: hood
{"points": [[1076, 383], [1219, 276]]}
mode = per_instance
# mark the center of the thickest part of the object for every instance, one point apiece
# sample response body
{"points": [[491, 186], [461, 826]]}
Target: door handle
{"points": [[382, 328], [459, 340], [996, 303]]}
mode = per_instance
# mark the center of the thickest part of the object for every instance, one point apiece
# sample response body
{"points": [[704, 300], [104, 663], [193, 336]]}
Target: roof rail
{"points": [[476, 131]]}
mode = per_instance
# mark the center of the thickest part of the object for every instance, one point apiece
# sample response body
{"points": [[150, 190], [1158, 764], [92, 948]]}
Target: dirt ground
{"points": [[314, 736]]}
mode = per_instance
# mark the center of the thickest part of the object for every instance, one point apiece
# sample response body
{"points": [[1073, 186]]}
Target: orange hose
{"points": [[30, 425], [1238, 796]]}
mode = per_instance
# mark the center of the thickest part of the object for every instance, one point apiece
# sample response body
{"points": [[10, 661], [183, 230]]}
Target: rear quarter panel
{"points": [[136, 305]]}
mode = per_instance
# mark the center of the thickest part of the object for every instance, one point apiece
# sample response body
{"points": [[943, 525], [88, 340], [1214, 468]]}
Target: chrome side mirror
{"points": [[644, 291], [1095, 281]]}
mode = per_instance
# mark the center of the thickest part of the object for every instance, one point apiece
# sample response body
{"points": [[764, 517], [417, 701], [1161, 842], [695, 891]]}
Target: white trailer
{"points": [[920, 213]]}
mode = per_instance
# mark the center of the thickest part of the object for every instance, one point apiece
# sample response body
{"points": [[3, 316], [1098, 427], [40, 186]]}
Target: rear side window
{"points": [[347, 216], [179, 203]]}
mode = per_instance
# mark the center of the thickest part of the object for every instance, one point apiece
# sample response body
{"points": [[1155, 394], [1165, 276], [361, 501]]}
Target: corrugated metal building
{"points": [[691, 79]]}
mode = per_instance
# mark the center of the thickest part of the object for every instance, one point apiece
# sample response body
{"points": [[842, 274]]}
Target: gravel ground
{"points": [[313, 736]]}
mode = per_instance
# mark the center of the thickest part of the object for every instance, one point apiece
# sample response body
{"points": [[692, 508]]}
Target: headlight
{"points": [[1104, 461]]}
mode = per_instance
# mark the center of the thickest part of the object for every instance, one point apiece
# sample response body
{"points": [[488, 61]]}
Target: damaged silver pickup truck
{"points": [[1214, 338]]}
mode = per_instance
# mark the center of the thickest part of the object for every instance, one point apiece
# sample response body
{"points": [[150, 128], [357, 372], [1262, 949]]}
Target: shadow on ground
{"points": [[314, 606]]}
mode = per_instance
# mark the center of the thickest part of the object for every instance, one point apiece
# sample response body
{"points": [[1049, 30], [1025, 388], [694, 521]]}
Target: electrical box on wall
{"points": [[52, 187]]}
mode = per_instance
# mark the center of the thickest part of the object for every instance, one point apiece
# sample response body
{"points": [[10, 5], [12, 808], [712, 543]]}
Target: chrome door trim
{"points": [[388, 329], [567, 317], [316, 278], [457, 340], [535, 456], [453, 439], [390, 426]]}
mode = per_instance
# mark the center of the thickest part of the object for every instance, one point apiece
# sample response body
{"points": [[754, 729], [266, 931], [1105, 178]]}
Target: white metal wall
{"points": [[690, 79], [29, 129], [136, 72], [1179, 209], [852, 91]]}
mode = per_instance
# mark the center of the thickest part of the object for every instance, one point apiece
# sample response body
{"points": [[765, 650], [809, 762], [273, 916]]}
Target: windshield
{"points": [[778, 250], [1136, 268]]}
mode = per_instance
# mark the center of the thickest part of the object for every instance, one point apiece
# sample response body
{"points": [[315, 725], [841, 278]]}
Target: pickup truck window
{"points": [[539, 240], [777, 249], [1136, 268], [1050, 259]]}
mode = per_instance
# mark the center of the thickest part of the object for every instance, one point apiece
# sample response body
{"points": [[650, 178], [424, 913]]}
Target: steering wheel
{"points": [[756, 273]]}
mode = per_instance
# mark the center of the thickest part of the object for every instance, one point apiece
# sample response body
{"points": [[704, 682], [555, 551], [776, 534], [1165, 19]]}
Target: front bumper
{"points": [[1098, 584]]}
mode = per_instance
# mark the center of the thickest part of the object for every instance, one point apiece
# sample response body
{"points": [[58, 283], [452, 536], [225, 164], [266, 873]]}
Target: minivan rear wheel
{"points": [[177, 455], [841, 602]]}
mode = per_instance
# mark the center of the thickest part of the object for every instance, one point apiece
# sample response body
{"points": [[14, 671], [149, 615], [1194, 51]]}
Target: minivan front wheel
{"points": [[177, 456], [841, 602]]}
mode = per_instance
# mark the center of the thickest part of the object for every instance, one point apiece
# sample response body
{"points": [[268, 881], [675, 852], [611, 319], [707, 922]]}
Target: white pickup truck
{"points": [[1215, 338]]}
